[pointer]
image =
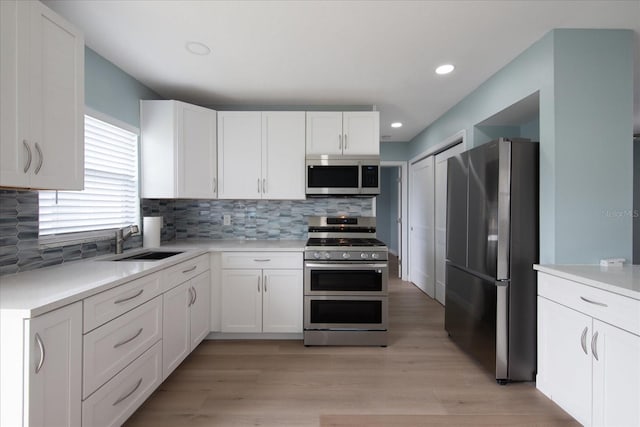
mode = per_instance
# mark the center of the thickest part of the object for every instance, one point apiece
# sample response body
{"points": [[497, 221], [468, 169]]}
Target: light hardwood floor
{"points": [[420, 379]]}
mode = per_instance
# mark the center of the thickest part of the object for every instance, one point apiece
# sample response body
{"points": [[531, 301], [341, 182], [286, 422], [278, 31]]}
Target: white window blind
{"points": [[110, 198]]}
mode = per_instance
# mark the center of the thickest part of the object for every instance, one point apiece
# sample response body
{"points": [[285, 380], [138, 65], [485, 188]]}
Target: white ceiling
{"points": [[308, 53]]}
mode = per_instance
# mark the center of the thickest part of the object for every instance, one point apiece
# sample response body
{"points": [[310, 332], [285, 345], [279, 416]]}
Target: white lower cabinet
{"points": [[185, 319], [113, 403], [42, 372], [588, 366], [261, 299]]}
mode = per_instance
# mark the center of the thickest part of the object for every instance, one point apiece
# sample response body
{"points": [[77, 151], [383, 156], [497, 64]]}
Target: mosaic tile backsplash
{"points": [[183, 219]]}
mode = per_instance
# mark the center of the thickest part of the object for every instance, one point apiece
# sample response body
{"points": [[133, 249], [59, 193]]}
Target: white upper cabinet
{"points": [[42, 103], [178, 156], [261, 155], [349, 133]]}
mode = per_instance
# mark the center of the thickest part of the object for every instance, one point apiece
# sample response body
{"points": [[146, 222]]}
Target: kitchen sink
{"points": [[148, 256]]}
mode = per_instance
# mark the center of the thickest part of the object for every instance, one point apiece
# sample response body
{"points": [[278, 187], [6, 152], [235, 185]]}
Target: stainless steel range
{"points": [[346, 279]]}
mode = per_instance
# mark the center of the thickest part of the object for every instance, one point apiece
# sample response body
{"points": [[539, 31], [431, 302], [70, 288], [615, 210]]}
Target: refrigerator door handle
{"points": [[504, 208], [502, 330]]}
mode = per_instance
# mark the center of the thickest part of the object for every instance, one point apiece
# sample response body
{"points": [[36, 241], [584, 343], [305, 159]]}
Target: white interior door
{"points": [[399, 222], [441, 217], [421, 225]]}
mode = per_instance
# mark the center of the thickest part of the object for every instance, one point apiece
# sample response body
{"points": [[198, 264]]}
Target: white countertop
{"points": [[31, 293], [623, 280], [239, 245]]}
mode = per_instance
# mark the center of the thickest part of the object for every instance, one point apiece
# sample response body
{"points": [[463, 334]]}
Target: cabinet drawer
{"points": [[114, 345], [107, 305], [113, 403], [611, 308], [262, 260], [184, 271]]}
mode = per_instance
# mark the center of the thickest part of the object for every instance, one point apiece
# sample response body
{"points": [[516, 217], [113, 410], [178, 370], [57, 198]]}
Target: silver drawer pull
{"points": [[42, 352], [583, 340], [189, 269], [601, 304], [120, 301], [121, 343], [262, 259], [121, 398], [594, 346]]}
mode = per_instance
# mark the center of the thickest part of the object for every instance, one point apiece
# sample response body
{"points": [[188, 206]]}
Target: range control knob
{"points": [[364, 255], [316, 255], [346, 255], [327, 255], [375, 255]]}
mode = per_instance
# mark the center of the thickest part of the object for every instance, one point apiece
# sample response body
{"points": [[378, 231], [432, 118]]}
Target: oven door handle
{"points": [[345, 266]]}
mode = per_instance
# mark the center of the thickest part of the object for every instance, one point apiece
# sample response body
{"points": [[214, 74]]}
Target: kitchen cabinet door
{"points": [[240, 155], [282, 301], [42, 136], [616, 376], [564, 358], [324, 132], [361, 133], [176, 342], [178, 150], [199, 311], [241, 301], [53, 376], [196, 162], [283, 151]]}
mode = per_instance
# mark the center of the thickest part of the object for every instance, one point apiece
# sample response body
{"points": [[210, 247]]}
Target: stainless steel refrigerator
{"points": [[492, 244]]}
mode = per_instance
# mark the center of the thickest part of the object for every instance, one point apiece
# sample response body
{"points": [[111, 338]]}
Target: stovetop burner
{"points": [[335, 241]]}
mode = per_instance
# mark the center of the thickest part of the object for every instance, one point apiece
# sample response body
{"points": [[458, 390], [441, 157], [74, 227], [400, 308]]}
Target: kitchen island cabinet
{"points": [[42, 103], [41, 367], [261, 155], [589, 345], [353, 133]]}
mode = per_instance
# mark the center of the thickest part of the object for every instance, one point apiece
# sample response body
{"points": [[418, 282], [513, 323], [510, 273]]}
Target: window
{"points": [[110, 198]]}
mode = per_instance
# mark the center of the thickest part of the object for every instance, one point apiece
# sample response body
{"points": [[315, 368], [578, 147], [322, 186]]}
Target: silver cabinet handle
{"points": [[120, 301], [40, 159], [42, 353], [339, 141], [189, 269], [264, 185], [215, 185], [601, 304], [345, 141], [594, 346], [28, 164], [258, 185], [583, 339], [262, 259], [258, 284], [190, 297], [265, 283], [195, 295], [121, 398], [121, 343]]}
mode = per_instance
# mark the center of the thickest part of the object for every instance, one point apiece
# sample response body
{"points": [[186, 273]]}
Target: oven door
{"points": [[342, 278], [343, 313]]}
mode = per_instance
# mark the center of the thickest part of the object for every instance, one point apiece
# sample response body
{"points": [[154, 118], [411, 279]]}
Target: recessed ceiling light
{"points": [[197, 48], [396, 125], [445, 69]]}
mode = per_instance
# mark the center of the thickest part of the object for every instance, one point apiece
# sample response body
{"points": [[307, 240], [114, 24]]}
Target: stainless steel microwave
{"points": [[343, 176]]}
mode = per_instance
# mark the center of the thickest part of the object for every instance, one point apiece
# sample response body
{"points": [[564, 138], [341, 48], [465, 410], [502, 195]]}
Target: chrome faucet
{"points": [[123, 234]]}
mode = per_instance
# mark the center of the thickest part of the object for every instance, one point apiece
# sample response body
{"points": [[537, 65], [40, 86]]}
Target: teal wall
{"points": [[585, 85], [111, 91], [394, 151], [387, 208]]}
